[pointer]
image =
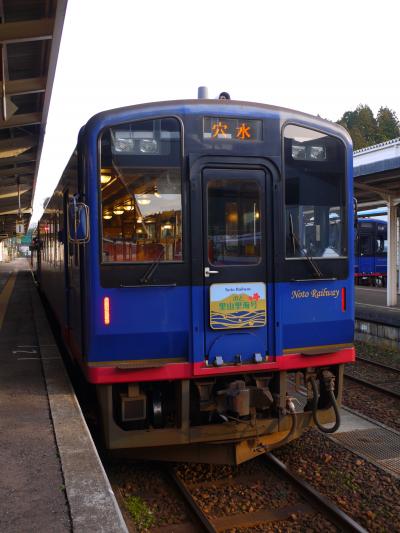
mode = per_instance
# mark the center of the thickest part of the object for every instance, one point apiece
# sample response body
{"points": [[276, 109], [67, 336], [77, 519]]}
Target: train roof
{"points": [[376, 220], [230, 106]]}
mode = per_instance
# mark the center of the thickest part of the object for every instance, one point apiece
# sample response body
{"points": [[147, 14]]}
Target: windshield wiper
{"points": [[296, 243], [152, 268]]}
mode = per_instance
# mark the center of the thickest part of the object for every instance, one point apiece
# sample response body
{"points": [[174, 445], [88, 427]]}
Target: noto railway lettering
{"points": [[315, 293]]}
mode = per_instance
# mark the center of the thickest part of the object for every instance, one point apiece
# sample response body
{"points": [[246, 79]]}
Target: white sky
{"points": [[321, 57]]}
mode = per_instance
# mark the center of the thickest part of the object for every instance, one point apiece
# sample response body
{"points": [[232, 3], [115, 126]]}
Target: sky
{"points": [[315, 56]]}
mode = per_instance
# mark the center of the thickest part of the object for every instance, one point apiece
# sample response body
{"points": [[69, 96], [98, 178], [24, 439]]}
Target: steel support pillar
{"points": [[397, 248], [391, 292]]}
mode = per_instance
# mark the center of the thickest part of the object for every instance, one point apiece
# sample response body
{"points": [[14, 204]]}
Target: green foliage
{"points": [[366, 130], [139, 511], [388, 124]]}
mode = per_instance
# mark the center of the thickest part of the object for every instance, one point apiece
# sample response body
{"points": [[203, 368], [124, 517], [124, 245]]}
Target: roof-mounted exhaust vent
{"points": [[202, 93], [224, 96]]}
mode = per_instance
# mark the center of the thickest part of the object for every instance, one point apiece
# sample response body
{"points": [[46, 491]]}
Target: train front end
{"points": [[218, 276]]}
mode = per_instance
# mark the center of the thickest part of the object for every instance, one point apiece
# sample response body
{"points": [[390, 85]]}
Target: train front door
{"points": [[234, 257]]}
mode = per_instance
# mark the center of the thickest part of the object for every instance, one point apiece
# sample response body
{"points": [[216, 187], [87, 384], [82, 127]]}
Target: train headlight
{"points": [[318, 153], [148, 146], [124, 145]]}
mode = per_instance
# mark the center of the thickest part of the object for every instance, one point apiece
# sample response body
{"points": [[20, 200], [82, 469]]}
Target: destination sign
{"points": [[232, 129]]}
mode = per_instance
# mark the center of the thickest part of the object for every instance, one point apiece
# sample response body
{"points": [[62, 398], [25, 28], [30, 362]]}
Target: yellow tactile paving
{"points": [[5, 296]]}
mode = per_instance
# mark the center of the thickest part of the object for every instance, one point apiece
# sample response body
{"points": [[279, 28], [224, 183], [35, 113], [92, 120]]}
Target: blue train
{"points": [[371, 252], [198, 257]]}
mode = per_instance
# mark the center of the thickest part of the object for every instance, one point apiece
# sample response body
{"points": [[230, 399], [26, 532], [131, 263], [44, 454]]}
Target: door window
{"points": [[365, 244], [233, 222]]}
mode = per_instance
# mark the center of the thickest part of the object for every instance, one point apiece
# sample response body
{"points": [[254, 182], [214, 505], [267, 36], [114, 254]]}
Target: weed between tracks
{"points": [[142, 516], [378, 352]]}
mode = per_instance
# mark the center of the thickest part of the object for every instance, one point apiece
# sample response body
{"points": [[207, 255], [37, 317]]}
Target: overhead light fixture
{"points": [[118, 210], [107, 215], [105, 177], [139, 220], [144, 201], [128, 206], [167, 225]]}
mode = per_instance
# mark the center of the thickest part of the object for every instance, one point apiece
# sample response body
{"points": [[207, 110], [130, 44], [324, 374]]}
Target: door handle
{"points": [[208, 272]]}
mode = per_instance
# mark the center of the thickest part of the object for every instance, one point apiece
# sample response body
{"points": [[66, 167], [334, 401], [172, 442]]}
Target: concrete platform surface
{"points": [[371, 306], [51, 477]]}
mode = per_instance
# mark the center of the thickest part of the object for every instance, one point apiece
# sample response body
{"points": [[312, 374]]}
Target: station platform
{"points": [[374, 320], [371, 303], [51, 479]]}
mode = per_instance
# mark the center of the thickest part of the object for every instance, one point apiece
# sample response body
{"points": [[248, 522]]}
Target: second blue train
{"points": [[371, 252]]}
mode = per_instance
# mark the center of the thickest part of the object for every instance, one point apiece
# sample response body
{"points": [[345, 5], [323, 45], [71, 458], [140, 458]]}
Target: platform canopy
{"points": [[30, 33], [377, 174], [377, 183]]}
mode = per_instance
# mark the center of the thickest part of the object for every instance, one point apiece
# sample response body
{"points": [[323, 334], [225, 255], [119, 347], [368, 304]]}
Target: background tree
{"points": [[366, 130], [388, 124]]}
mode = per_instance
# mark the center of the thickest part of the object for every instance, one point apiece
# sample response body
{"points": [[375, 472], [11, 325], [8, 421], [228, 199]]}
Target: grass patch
{"points": [[378, 352], [140, 512]]}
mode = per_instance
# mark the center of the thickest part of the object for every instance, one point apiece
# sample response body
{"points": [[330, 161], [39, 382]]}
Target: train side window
{"points": [[381, 245], [315, 194], [141, 192]]}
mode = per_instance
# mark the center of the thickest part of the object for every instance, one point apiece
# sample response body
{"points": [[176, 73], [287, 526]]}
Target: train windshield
{"points": [[315, 194], [140, 184]]}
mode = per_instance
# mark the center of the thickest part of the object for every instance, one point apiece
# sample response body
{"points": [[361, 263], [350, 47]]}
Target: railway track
{"points": [[376, 363], [365, 374], [308, 501]]}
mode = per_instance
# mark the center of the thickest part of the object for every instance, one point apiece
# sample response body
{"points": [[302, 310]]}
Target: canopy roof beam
{"points": [[23, 119], [27, 30], [24, 86]]}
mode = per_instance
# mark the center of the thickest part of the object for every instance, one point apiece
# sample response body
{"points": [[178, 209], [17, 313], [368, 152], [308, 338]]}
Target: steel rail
{"points": [[202, 517], [317, 500], [372, 385], [311, 495], [376, 363]]}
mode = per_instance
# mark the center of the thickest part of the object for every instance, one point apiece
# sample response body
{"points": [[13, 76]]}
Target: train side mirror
{"points": [[78, 222]]}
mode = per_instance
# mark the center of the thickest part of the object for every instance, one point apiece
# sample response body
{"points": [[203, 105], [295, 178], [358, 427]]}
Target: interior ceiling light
{"points": [[139, 220], [129, 206], [105, 178], [118, 210], [167, 225], [144, 201], [107, 216]]}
